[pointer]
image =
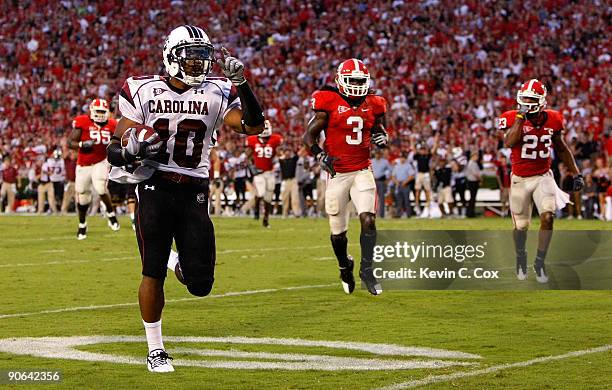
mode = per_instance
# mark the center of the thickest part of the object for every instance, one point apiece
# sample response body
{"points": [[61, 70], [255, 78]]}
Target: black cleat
{"points": [[367, 277], [347, 278], [266, 224], [521, 267], [540, 271]]}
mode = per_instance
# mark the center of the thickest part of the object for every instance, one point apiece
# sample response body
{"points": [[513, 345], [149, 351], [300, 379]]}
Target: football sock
{"points": [[540, 256], [520, 237], [132, 217], [367, 240], [173, 260], [339, 244], [153, 331], [82, 209]]}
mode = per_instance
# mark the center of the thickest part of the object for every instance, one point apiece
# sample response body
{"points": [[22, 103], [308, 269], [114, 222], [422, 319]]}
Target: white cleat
{"points": [[82, 233], [114, 226], [159, 361], [540, 272]]}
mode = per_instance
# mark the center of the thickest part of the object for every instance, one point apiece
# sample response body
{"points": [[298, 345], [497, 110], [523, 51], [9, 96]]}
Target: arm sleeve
{"points": [[129, 102], [231, 93]]}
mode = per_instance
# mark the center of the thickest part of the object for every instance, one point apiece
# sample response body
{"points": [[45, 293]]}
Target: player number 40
{"points": [[530, 144]]}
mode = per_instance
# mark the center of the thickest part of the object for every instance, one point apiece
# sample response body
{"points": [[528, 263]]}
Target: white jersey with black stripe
{"points": [[187, 121]]}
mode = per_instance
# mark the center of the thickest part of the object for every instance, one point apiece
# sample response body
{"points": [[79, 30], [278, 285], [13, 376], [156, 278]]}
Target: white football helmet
{"points": [[536, 91], [188, 54], [267, 131], [98, 111]]}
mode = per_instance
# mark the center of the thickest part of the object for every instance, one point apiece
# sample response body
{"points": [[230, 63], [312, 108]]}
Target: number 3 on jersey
{"points": [[530, 144], [357, 123]]}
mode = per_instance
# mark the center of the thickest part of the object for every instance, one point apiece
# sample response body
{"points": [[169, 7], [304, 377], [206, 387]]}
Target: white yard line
{"points": [[228, 294], [465, 374], [136, 256], [68, 262]]}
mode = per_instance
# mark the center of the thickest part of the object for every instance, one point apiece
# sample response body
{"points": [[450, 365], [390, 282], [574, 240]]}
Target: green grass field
{"points": [[281, 283]]}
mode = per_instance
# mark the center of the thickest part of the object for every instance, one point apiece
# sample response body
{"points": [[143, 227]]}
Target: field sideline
{"points": [[278, 318]]}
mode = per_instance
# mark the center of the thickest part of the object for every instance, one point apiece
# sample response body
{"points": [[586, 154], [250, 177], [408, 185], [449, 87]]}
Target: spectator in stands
{"points": [[423, 177], [403, 177], [503, 182], [589, 194], [70, 167], [474, 178], [382, 172], [443, 175], [46, 191], [9, 184], [57, 175], [290, 196]]}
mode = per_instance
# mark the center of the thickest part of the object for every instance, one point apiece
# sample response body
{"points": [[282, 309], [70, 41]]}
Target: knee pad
{"points": [[521, 222], [200, 288], [368, 220], [84, 198], [338, 223], [548, 205]]}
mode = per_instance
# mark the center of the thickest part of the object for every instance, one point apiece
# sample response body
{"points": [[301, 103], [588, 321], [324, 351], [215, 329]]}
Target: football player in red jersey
{"points": [[90, 136], [351, 119], [262, 149], [531, 131]]}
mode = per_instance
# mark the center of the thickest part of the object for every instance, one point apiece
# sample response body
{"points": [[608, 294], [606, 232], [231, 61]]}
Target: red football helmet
{"points": [[353, 78], [98, 111], [533, 89]]}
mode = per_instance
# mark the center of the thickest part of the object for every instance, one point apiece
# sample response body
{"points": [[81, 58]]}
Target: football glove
{"points": [[380, 139], [231, 67], [327, 163], [578, 182], [86, 146], [140, 150]]}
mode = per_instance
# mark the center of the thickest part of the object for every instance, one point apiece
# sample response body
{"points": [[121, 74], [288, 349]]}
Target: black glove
{"points": [[86, 146], [578, 182], [139, 150], [253, 170], [327, 163]]}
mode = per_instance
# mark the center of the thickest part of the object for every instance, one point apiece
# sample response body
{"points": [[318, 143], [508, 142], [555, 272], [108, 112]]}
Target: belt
{"points": [[178, 178]]}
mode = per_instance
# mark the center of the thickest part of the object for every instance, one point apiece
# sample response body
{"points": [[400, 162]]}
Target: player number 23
{"points": [[357, 123], [530, 144]]}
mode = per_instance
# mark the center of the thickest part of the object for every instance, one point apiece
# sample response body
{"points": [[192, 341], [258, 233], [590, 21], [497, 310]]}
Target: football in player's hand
{"points": [[142, 133]]}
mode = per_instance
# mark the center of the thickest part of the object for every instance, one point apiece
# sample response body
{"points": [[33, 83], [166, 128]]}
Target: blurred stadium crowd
{"points": [[448, 69]]}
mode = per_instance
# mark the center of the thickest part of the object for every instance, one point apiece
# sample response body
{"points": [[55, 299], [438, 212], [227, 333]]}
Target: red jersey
{"points": [[531, 155], [264, 152], [348, 134], [100, 135]]}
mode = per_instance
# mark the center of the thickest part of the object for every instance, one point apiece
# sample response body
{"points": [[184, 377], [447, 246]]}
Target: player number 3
{"points": [[357, 123], [530, 144]]}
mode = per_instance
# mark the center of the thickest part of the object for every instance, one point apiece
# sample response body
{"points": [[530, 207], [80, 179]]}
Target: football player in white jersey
{"points": [[185, 109]]}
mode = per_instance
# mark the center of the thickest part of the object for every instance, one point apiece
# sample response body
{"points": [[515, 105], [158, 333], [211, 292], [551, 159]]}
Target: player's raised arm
{"points": [[513, 136], [250, 119]]}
